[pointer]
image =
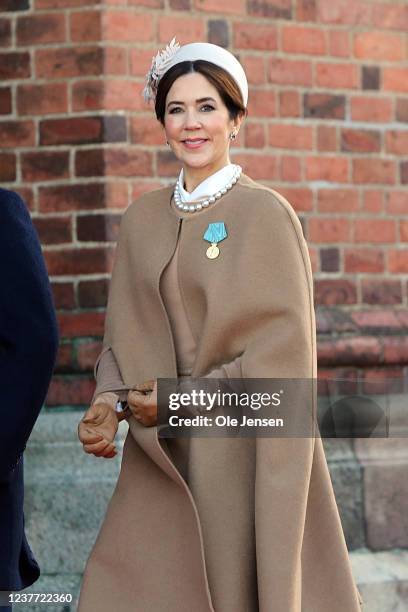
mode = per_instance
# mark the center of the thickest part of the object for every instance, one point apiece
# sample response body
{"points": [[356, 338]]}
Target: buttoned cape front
{"points": [[257, 526]]}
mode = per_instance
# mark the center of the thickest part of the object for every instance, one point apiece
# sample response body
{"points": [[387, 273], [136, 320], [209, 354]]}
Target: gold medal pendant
{"points": [[213, 251], [214, 233]]}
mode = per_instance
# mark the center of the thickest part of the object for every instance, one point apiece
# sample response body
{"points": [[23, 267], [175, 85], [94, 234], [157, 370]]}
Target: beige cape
{"points": [[257, 526]]}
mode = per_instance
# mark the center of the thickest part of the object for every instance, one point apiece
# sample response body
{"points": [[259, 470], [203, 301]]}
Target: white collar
{"points": [[209, 186]]}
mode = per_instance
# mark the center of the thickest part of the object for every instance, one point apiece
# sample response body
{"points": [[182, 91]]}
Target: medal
{"points": [[214, 233]]}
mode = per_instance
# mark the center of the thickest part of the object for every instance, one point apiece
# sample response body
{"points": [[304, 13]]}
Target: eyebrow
{"points": [[199, 100]]}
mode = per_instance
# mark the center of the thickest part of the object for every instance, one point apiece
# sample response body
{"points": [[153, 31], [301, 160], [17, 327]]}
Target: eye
{"points": [[178, 108]]}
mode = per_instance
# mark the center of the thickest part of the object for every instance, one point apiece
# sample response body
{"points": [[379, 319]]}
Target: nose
{"points": [[192, 120]]}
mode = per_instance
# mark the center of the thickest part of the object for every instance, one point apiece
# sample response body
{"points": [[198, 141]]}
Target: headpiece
{"points": [[174, 54]]}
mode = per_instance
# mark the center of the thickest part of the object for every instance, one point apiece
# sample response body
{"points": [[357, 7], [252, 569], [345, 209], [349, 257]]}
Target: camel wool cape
{"points": [[256, 526]]}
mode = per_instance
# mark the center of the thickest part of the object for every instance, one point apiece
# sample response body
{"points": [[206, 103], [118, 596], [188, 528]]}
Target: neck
{"points": [[194, 176]]}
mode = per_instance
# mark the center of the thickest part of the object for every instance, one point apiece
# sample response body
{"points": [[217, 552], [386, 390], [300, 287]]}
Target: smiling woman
{"points": [[212, 279]]}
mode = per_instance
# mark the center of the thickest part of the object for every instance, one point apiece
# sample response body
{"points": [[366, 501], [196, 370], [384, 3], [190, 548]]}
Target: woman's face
{"points": [[189, 115]]}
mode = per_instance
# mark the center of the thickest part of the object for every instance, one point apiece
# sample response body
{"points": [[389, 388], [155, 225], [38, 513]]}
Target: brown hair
{"points": [[221, 79]]}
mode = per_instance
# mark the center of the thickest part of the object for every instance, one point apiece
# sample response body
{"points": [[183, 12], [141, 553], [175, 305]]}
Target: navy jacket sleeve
{"points": [[28, 330]]}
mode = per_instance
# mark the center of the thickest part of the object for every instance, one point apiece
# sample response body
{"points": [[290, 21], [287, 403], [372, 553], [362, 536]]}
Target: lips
{"points": [[194, 144]]}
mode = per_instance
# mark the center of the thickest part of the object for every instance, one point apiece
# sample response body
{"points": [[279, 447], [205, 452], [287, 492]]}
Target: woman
{"points": [[212, 278]]}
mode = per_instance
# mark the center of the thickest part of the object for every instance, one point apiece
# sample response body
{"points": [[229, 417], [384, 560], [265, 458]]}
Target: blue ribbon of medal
{"points": [[214, 233]]}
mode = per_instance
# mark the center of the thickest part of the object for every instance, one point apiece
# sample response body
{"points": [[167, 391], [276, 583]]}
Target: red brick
{"points": [[381, 291], [397, 202], [69, 62], [27, 194], [7, 167], [372, 201], [333, 169], [398, 261], [156, 4], [5, 32], [328, 229], [404, 172], [87, 354], [354, 350], [376, 45], [77, 261], [113, 162], [336, 75], [374, 230], [140, 60], [116, 61], [300, 198], [123, 95], [356, 141], [289, 103], [259, 166], [263, 103], [324, 106], [45, 166], [98, 228], [51, 4], [255, 36], [370, 108], [254, 66], [373, 320], [143, 186], [88, 95], [64, 296], [372, 170], [392, 16], [70, 391], [353, 12], [329, 259], [395, 79], [403, 226], [146, 130], [17, 134], [396, 142], [42, 99], [337, 200], [186, 29], [64, 358], [363, 260], [82, 130], [287, 136], [77, 324], [299, 39], [279, 9], [290, 72], [339, 43], [5, 101], [93, 294], [236, 7], [306, 10], [395, 349], [15, 65], [335, 291], [127, 26], [88, 196], [86, 26], [327, 138], [54, 230], [290, 168], [40, 29], [402, 109]]}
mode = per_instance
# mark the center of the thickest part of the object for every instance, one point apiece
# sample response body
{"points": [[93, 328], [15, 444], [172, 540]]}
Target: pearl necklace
{"points": [[182, 205]]}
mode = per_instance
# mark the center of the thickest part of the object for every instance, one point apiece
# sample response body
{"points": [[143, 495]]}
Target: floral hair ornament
{"points": [[159, 66]]}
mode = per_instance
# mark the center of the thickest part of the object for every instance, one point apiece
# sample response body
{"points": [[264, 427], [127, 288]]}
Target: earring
{"points": [[167, 142], [233, 135]]}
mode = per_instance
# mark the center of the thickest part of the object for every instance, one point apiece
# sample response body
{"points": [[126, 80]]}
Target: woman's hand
{"points": [[97, 430], [142, 402]]}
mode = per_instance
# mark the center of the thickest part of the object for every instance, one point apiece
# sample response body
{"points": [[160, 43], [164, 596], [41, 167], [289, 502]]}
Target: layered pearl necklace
{"points": [[182, 205]]}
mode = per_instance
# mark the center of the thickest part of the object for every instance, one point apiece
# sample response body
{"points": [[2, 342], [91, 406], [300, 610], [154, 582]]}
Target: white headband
{"points": [[174, 54]]}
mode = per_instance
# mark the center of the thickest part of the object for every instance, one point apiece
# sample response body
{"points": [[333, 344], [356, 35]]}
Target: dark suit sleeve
{"points": [[28, 330]]}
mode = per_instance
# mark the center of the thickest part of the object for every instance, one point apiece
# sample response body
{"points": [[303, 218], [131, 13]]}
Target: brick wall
{"points": [[327, 127]]}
